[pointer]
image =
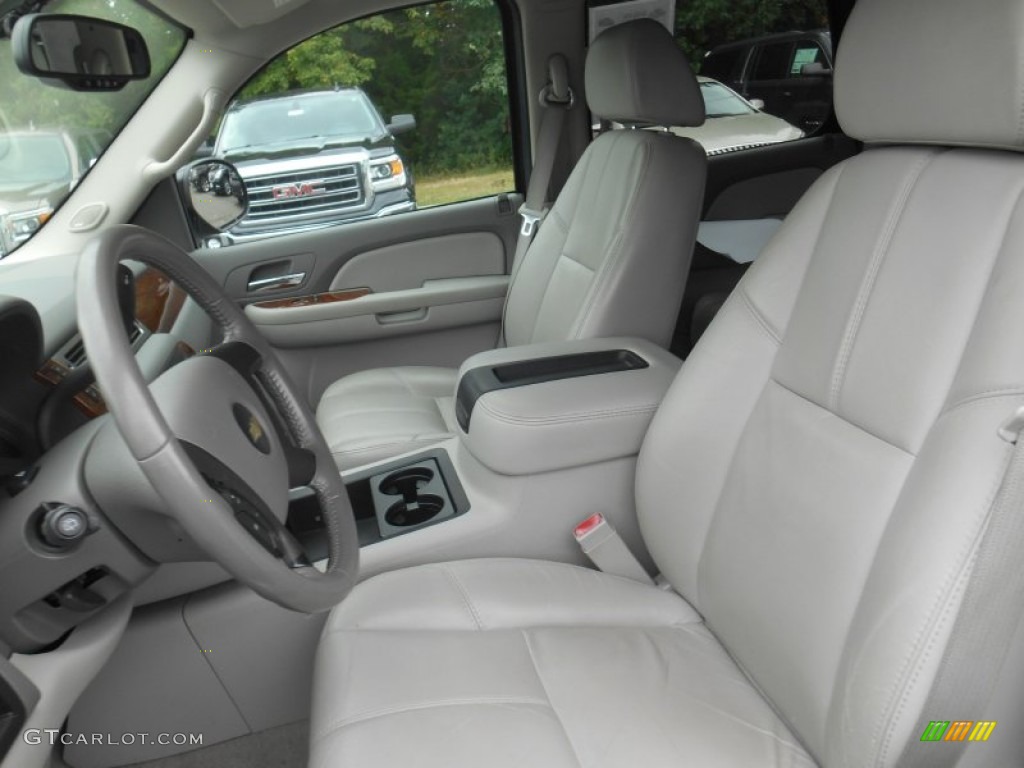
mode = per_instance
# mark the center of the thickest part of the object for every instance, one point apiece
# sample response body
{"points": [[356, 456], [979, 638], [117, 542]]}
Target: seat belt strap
{"points": [[556, 99], [990, 612]]}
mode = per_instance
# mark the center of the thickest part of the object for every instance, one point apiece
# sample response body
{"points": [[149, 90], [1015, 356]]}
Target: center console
{"points": [[567, 416], [546, 407]]}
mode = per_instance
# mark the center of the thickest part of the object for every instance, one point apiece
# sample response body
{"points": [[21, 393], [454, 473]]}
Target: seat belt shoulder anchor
{"points": [[1011, 428]]}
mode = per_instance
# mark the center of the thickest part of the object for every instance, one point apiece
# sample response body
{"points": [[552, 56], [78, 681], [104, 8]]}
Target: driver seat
{"points": [[814, 486]]}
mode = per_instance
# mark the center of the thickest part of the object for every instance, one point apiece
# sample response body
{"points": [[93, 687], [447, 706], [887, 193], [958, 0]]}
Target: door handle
{"points": [[276, 283]]}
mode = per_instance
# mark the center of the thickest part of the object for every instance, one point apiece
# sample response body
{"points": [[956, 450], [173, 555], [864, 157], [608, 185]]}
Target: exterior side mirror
{"points": [[214, 195], [815, 69], [401, 124], [79, 52], [757, 104]]}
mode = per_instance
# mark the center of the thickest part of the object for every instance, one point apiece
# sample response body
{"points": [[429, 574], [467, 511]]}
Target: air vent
{"points": [[75, 355]]}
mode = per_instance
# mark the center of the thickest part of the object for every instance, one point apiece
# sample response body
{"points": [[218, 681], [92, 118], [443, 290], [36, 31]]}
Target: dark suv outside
{"points": [[311, 159], [790, 72]]}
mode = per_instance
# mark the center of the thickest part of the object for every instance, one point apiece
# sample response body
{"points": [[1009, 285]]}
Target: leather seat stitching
{"points": [[869, 433], [341, 451], [867, 286], [612, 263], [376, 714], [544, 687], [924, 644], [461, 590], [759, 318], [981, 397]]}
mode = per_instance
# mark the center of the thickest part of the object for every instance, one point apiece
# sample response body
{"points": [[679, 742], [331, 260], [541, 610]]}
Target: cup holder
{"points": [[406, 482], [403, 514], [410, 497]]}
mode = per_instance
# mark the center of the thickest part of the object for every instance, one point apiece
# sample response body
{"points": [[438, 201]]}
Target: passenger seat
{"points": [[606, 262]]}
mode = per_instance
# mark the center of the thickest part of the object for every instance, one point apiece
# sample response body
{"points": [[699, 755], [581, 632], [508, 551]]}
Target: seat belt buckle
{"points": [[606, 549], [1011, 428], [531, 219]]}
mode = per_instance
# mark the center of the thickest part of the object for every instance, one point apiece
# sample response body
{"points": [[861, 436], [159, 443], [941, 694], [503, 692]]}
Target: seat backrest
{"points": [[817, 479], [614, 251]]}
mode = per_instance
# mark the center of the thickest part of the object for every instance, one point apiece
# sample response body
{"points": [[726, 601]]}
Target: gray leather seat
{"points": [[610, 260], [814, 485]]}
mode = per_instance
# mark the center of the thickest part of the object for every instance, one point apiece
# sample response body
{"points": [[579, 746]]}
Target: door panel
{"points": [[437, 282], [747, 195], [346, 316], [768, 181], [410, 265], [438, 242]]}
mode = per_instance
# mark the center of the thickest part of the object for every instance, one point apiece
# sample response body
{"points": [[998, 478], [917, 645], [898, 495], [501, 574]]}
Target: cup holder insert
{"points": [[406, 482], [413, 496], [403, 514]]}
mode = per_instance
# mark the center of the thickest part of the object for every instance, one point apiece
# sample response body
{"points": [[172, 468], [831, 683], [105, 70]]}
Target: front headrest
{"points": [[933, 72], [635, 73]]}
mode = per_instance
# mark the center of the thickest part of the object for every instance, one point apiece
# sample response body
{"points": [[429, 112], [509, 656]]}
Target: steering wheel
{"points": [[221, 436]]}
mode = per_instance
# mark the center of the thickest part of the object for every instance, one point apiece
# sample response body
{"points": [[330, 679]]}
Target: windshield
{"points": [[719, 101], [336, 115], [49, 136], [34, 158]]}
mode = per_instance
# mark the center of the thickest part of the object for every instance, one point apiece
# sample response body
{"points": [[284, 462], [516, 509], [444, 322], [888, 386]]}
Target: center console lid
{"points": [[542, 407]]}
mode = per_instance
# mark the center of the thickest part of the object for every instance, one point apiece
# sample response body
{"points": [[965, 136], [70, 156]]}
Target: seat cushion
{"points": [[380, 413], [508, 662]]}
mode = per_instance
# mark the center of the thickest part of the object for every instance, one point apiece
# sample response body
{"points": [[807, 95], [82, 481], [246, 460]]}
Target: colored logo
{"points": [[287, 191], [958, 730], [252, 428]]}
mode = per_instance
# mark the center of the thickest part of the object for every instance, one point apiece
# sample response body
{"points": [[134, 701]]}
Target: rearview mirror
{"points": [[79, 52], [401, 124]]}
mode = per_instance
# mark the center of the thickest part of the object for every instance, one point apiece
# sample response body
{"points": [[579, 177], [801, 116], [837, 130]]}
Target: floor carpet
{"points": [[283, 747]]}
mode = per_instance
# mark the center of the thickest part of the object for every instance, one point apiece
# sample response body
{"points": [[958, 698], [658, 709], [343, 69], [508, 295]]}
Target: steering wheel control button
{"points": [[62, 526], [251, 427]]}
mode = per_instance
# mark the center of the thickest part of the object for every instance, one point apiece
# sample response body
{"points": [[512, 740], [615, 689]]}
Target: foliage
{"points": [[444, 63]]}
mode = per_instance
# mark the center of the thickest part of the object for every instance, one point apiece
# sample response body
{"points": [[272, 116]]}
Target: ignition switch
{"points": [[63, 526]]}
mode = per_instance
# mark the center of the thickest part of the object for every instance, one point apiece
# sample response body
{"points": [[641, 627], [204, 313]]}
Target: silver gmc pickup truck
{"points": [[313, 158]]}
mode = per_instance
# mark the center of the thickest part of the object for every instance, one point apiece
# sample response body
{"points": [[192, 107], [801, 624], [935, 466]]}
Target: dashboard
{"points": [[62, 463]]}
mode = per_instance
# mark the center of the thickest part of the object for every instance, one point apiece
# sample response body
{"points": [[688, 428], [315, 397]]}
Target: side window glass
{"points": [[771, 61], [722, 65], [806, 53], [753, 70], [377, 117]]}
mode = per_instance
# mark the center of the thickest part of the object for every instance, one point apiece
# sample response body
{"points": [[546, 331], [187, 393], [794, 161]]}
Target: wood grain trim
{"points": [[89, 401], [175, 301], [152, 291], [318, 298]]}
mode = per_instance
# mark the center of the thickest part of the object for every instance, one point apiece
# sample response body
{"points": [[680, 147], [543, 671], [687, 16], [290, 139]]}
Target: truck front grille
{"points": [[299, 196]]}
